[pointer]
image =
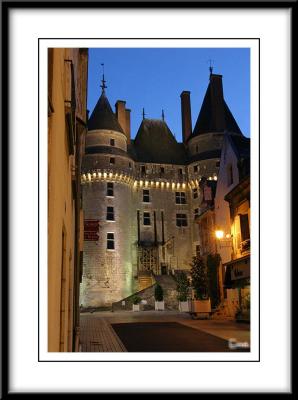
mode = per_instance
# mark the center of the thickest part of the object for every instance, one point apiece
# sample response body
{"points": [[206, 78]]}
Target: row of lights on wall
{"points": [[96, 176]]}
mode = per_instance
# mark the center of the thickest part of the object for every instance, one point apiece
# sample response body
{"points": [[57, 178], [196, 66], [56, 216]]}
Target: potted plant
{"points": [[136, 303], [201, 304], [159, 302], [182, 291]]}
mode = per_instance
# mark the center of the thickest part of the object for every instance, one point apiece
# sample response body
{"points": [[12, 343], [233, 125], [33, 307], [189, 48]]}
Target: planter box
{"points": [[136, 307], [202, 308], [159, 305], [183, 306]]}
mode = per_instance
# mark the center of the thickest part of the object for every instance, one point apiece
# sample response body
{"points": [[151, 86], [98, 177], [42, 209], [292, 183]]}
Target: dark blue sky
{"points": [[154, 78]]}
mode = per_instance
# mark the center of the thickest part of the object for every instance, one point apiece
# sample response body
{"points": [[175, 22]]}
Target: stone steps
{"points": [[168, 284]]}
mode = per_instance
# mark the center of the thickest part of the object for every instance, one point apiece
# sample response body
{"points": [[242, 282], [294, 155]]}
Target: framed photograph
{"points": [[146, 253]]}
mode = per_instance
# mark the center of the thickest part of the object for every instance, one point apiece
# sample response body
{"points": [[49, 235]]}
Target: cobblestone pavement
{"points": [[97, 335]]}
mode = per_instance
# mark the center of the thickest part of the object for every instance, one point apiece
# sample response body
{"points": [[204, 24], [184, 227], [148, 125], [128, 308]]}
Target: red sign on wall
{"points": [[91, 228]]}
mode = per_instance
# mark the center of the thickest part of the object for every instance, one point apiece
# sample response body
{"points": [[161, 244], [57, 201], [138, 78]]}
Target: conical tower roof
{"points": [[103, 117], [215, 115]]}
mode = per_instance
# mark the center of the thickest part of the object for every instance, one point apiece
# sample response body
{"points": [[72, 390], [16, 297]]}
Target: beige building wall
{"points": [[62, 191], [228, 162]]}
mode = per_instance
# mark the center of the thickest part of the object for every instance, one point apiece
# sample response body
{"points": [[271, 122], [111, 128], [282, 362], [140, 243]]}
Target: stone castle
{"points": [[141, 196]]}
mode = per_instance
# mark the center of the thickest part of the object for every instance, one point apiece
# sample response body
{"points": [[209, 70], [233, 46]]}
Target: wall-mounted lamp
{"points": [[219, 234]]}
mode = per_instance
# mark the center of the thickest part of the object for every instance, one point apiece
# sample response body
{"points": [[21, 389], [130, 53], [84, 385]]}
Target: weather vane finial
{"points": [[211, 66], [103, 82], [162, 115], [144, 113]]}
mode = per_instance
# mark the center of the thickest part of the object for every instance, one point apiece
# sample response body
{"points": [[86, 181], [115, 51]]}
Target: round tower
{"points": [[107, 177]]}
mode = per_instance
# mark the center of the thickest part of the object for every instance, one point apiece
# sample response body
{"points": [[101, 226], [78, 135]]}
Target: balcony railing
{"points": [[245, 246]]}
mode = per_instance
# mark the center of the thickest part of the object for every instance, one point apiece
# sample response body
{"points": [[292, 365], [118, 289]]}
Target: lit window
{"points": [[146, 218], [195, 193], [146, 196], [110, 241], [181, 220], [112, 142], [112, 160], [110, 189], [180, 198], [110, 214]]}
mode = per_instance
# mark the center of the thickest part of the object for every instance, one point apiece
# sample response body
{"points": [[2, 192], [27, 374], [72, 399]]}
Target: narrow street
{"points": [[154, 331]]}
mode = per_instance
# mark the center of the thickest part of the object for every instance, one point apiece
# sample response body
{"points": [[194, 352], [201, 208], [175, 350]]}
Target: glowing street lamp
{"points": [[219, 234]]}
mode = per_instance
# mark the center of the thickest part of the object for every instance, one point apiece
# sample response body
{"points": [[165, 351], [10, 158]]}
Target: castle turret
{"points": [[107, 202]]}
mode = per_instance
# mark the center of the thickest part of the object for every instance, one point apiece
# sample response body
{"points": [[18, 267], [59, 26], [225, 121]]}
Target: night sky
{"points": [[154, 78]]}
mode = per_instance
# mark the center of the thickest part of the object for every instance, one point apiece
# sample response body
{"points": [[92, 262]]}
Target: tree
{"points": [[182, 286], [158, 293], [199, 278], [213, 261]]}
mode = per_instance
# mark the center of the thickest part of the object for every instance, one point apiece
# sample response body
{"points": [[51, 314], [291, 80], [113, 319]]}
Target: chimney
{"points": [[127, 125], [120, 114], [186, 115], [217, 102]]}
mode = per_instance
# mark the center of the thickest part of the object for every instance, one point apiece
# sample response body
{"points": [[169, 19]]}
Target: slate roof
{"points": [[214, 104], [103, 117], [155, 143]]}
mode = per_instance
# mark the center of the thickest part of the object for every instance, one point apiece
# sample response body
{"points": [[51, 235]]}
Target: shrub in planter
{"points": [[158, 294], [136, 303], [182, 290], [199, 280]]}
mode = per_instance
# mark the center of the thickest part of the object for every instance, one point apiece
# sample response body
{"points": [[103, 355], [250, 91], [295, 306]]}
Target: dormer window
{"points": [[112, 142]]}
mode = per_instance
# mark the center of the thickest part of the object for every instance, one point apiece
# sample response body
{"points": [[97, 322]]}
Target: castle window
{"points": [[198, 250], [110, 189], [180, 171], [217, 164], [110, 241], [146, 218], [195, 193], [162, 170], [195, 168], [112, 142], [146, 196], [129, 164], [180, 198], [230, 178], [143, 169], [181, 220], [196, 212], [197, 148], [110, 214], [112, 160]]}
